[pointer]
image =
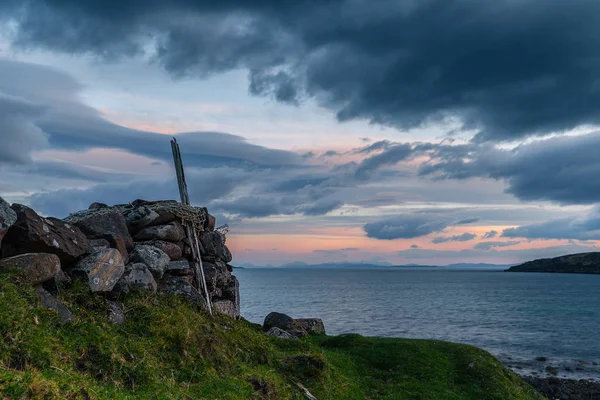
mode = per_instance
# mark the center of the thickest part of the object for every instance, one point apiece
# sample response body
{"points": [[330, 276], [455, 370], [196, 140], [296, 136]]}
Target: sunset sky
{"points": [[320, 131]]}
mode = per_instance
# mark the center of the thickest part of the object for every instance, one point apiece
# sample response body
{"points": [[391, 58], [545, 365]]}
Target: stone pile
{"points": [[115, 249]]}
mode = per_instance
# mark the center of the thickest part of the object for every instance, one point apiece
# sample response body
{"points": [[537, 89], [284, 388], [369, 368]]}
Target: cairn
{"points": [[115, 249]]}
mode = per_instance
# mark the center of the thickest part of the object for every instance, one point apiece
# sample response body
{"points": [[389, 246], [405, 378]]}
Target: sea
{"points": [[527, 320]]}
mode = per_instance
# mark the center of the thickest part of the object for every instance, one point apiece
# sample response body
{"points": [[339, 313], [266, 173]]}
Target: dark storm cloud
{"points": [[465, 237], [586, 227], [506, 69], [18, 135], [560, 169], [467, 221], [392, 155], [40, 107], [405, 227]]}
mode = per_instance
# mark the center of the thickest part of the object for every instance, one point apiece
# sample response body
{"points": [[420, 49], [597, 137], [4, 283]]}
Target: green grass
{"points": [[167, 349]]}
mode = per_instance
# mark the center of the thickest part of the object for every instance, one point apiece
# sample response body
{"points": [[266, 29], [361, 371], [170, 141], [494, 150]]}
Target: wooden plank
{"points": [[190, 230]]}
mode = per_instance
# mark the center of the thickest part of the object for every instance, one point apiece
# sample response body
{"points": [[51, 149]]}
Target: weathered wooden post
{"points": [[190, 230]]}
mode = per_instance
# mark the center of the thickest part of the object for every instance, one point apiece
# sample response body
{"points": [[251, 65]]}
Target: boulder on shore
{"points": [[100, 270], [104, 223], [34, 268], [7, 218], [297, 327], [156, 259], [280, 333], [32, 233]]}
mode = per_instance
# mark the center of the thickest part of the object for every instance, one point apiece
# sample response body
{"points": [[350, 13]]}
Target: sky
{"points": [[391, 132]]}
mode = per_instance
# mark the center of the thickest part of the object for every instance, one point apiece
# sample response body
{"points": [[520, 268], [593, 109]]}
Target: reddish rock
{"points": [[35, 268], [104, 223], [32, 233], [226, 307], [171, 249], [48, 301], [100, 270], [172, 232]]}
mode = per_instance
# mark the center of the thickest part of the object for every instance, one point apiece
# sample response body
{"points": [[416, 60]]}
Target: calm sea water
{"points": [[515, 316]]}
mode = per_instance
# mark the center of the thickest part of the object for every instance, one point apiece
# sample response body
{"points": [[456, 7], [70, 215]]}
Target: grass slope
{"points": [[169, 350]]}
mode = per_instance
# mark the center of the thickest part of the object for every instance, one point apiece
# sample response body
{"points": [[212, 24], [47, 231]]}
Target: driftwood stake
{"points": [[190, 231]]}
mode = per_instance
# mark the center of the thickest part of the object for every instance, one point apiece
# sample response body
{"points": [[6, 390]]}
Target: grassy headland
{"points": [[169, 350]]}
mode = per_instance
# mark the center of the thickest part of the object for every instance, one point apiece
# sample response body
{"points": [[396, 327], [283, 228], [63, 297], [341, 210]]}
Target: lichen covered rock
{"points": [[7, 218], [100, 270], [136, 277], [34, 268], [156, 259], [172, 232]]}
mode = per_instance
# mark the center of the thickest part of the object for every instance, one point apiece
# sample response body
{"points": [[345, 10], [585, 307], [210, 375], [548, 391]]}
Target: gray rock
{"points": [[139, 217], [211, 245], [104, 223], [99, 244], [7, 218], [116, 313], [227, 257], [313, 326], [279, 320], [179, 267], [216, 274], [136, 276], [226, 307], [100, 270], [97, 206], [48, 301], [231, 290], [156, 259], [280, 333], [34, 268], [297, 327], [32, 233], [172, 232], [180, 286], [173, 250]]}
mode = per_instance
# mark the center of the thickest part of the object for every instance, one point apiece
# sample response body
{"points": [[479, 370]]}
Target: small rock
{"points": [[156, 259], [180, 267], [116, 313], [226, 257], [49, 301], [280, 333], [99, 244], [100, 270], [34, 268], [139, 217], [172, 232], [136, 276], [542, 359], [552, 370], [97, 206], [226, 307], [180, 286], [313, 326], [173, 250]]}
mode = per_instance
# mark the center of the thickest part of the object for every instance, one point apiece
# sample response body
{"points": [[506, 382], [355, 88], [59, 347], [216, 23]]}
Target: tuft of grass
{"points": [[168, 349]]}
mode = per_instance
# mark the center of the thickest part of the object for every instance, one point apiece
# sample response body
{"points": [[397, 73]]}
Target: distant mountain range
{"points": [[375, 265]]}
